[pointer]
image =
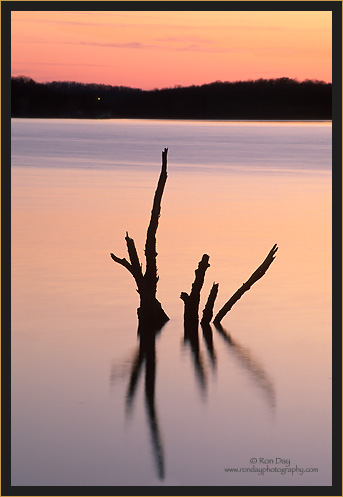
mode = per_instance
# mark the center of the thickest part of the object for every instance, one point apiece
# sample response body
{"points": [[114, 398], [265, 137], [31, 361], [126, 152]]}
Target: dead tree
{"points": [[150, 311], [191, 301], [260, 271], [207, 313]]}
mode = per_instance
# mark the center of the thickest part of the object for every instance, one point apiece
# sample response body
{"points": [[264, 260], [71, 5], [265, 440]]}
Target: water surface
{"points": [[260, 389]]}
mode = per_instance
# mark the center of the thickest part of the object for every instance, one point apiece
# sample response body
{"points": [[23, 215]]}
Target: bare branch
{"points": [[150, 276], [122, 262], [135, 264], [184, 296], [134, 268], [199, 277], [207, 313], [191, 316], [260, 271]]}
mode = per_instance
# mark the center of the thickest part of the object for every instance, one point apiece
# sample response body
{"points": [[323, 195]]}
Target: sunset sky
{"points": [[161, 49]]}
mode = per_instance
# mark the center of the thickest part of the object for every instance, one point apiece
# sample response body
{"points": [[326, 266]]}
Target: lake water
{"points": [[256, 397]]}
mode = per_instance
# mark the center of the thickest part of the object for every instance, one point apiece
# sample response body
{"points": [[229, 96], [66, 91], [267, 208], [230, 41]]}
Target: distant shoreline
{"points": [[280, 99]]}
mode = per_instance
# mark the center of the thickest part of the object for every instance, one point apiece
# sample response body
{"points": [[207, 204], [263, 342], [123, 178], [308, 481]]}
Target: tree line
{"points": [[281, 98]]}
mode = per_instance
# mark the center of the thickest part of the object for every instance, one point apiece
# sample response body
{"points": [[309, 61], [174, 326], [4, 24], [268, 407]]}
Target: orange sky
{"points": [[162, 49]]}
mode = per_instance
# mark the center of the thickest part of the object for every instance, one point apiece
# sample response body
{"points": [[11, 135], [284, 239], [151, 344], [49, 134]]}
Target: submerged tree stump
{"points": [[207, 313], [260, 271], [192, 301], [151, 315], [150, 311]]}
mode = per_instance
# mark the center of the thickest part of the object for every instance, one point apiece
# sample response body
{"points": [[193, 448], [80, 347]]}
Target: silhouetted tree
{"points": [[150, 311]]}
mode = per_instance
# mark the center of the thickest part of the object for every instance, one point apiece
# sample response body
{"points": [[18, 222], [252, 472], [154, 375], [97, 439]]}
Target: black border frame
{"points": [[321, 5]]}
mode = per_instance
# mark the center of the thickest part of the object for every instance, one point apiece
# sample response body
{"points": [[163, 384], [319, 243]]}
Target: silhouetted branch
{"points": [[150, 276], [123, 262], [192, 300], [150, 311], [260, 271], [136, 266], [207, 313]]}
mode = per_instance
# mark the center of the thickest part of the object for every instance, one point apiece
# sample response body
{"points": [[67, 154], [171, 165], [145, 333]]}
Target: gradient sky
{"points": [[161, 49]]}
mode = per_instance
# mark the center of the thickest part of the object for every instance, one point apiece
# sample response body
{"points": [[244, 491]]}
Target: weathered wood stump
{"points": [[150, 311], [192, 301]]}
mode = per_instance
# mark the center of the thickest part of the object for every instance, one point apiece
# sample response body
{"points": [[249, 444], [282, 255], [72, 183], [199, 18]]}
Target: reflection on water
{"points": [[191, 338], [145, 358], [244, 356], [256, 372], [208, 338]]}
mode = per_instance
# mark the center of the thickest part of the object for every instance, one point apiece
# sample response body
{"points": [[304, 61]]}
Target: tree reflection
{"points": [[146, 356], [250, 364], [191, 338], [145, 360], [244, 356], [208, 338]]}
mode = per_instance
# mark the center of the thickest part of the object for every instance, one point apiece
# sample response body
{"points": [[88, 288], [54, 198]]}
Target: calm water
{"points": [[257, 396]]}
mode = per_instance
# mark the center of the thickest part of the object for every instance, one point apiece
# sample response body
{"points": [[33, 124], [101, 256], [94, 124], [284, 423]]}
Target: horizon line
{"points": [[176, 86]]}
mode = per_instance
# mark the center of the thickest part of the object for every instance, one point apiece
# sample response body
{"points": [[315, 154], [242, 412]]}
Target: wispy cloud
{"points": [[183, 38], [169, 45], [35, 63], [154, 20], [189, 47], [59, 21], [131, 44]]}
